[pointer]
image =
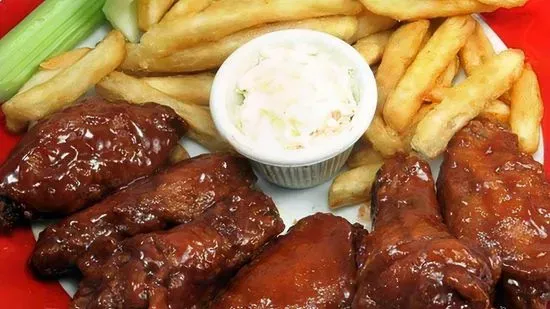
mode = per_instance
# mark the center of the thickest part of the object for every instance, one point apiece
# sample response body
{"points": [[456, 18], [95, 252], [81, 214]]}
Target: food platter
{"points": [[148, 222], [292, 204]]}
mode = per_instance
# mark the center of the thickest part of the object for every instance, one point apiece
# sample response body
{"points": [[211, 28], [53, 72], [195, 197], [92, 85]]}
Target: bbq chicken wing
{"points": [[498, 197], [185, 266], [313, 266], [79, 155], [174, 196], [410, 260]]}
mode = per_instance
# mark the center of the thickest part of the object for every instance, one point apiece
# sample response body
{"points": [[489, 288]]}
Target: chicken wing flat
{"points": [[174, 196], [185, 266], [81, 154], [498, 197], [410, 260], [313, 266]]}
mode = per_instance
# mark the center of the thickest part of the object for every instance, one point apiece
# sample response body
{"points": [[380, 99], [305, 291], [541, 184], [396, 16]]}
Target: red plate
{"points": [[526, 28]]}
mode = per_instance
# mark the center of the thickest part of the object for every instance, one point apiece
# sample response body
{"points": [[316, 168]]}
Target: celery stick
{"points": [[122, 14], [54, 27]]}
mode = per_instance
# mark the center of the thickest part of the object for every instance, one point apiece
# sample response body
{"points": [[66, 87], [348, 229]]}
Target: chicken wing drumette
{"points": [[410, 260], [499, 198]]}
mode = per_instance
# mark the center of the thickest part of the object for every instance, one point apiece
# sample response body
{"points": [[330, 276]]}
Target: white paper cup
{"points": [[293, 168]]}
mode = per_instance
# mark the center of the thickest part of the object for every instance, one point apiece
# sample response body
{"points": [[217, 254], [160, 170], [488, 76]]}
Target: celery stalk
{"points": [[122, 14], [53, 28]]}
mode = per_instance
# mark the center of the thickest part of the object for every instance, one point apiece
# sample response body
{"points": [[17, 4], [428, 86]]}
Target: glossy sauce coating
{"points": [[410, 260], [313, 266], [80, 154], [499, 198], [185, 266], [174, 196]]}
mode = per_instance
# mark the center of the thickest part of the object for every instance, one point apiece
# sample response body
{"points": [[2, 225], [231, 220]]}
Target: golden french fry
{"points": [[504, 3], [211, 55], [402, 48], [186, 88], [183, 8], [444, 81], [425, 9], [527, 110], [178, 154], [150, 12], [363, 154], [476, 50], [53, 66], [225, 17], [353, 186], [436, 94], [467, 100], [67, 86], [411, 130], [441, 49], [119, 86], [372, 47], [383, 138], [497, 110], [446, 78], [65, 60], [370, 23]]}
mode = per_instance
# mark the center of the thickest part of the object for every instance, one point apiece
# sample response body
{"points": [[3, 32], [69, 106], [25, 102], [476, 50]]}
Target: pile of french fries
{"points": [[421, 105], [416, 47]]}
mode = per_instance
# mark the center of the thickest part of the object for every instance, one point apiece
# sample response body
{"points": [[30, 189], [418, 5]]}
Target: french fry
{"points": [[150, 12], [185, 8], [497, 110], [353, 186], [402, 48], [527, 110], [372, 47], [67, 86], [411, 130], [53, 66], [363, 154], [186, 88], [178, 154], [446, 78], [444, 81], [476, 51], [425, 9], [225, 17], [467, 100], [211, 55], [370, 23], [505, 3], [65, 60], [422, 74], [383, 138], [119, 86]]}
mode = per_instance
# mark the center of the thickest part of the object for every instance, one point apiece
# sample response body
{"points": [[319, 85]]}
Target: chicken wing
{"points": [[185, 266], [313, 266], [81, 154], [174, 196], [498, 197], [410, 260]]}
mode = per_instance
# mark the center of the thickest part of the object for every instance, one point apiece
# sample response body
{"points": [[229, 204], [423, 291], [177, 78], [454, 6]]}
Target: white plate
{"points": [[293, 204]]}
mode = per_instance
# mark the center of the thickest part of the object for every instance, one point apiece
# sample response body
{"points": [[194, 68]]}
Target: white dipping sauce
{"points": [[294, 98]]}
